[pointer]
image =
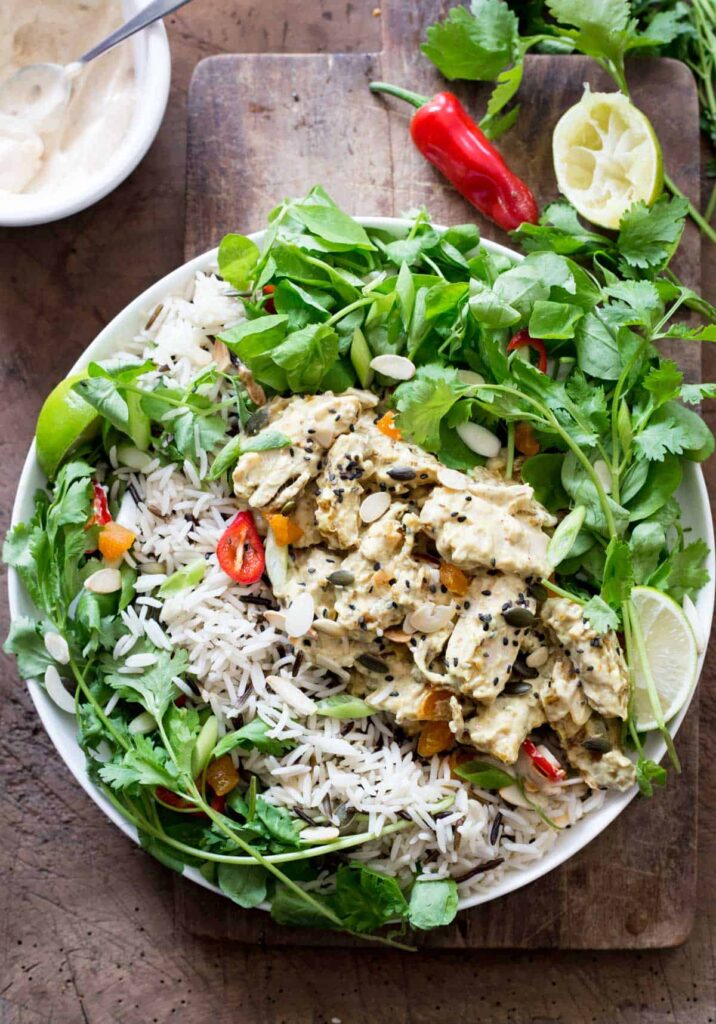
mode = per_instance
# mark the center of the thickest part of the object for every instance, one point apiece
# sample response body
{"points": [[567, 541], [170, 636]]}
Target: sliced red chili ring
{"points": [[523, 340], [269, 305], [542, 763], [100, 508], [240, 550]]}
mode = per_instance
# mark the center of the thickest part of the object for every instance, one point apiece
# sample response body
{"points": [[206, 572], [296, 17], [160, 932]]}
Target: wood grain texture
{"points": [[360, 151], [88, 931]]}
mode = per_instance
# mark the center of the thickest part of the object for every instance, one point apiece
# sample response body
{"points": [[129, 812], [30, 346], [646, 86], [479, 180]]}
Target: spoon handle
{"points": [[152, 12]]}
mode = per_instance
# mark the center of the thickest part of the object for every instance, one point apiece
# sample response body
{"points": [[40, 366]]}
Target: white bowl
{"points": [[152, 64], [60, 726]]}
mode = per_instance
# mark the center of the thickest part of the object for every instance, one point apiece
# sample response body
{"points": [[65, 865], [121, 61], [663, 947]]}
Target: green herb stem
{"points": [[693, 212]]}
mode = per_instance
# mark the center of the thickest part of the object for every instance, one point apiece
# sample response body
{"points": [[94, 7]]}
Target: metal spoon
{"points": [[39, 93]]}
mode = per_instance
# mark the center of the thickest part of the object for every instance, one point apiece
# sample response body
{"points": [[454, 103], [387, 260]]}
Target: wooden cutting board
{"points": [[262, 127]]}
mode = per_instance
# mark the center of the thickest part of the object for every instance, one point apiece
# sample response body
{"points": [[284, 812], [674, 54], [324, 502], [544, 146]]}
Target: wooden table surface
{"points": [[87, 929]]}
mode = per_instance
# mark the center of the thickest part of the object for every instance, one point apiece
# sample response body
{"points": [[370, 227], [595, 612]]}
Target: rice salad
{"points": [[306, 755]]}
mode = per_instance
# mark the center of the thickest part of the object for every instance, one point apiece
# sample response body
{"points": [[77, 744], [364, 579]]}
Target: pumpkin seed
{"points": [[373, 664], [257, 421], [402, 473], [517, 687], [341, 578], [598, 745], [519, 617], [522, 670]]}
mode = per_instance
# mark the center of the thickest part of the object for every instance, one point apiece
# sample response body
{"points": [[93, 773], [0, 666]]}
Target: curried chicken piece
{"points": [[486, 527], [562, 696], [594, 752], [597, 657], [501, 728], [312, 423]]}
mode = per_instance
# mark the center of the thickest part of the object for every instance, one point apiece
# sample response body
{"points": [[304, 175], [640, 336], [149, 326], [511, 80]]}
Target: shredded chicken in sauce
{"points": [[484, 654]]}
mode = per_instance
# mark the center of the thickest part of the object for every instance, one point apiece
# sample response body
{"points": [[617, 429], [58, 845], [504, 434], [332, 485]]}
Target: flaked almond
{"points": [[221, 354], [472, 379], [329, 627], [276, 619], [299, 615], [57, 647], [605, 475], [53, 684], [452, 479], [374, 506], [104, 581], [479, 439], [397, 636], [429, 617], [291, 695], [143, 723], [397, 367]]}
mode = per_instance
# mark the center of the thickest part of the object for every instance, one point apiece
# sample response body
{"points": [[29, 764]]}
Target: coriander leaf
{"points": [[144, 765], [600, 616], [306, 355], [657, 439], [277, 821], [602, 28], [559, 230], [648, 774], [433, 903], [474, 46], [689, 433], [618, 574], [639, 302], [253, 736], [649, 236], [26, 641], [366, 899], [423, 402], [154, 689], [238, 258], [694, 393], [484, 775], [663, 382], [183, 727], [685, 333], [683, 571], [245, 884]]}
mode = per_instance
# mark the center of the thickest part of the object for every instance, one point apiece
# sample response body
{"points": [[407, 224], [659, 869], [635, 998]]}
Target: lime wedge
{"points": [[606, 157], [670, 651], [65, 421]]}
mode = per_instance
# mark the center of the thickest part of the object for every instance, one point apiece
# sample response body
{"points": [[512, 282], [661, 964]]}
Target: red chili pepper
{"points": [[218, 803], [100, 508], [269, 305], [523, 340], [240, 550], [447, 136], [166, 796], [543, 763]]}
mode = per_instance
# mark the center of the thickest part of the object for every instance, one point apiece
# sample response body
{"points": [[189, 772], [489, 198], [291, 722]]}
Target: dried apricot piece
{"points": [[222, 776], [435, 737], [454, 579], [386, 425], [435, 706], [285, 531], [114, 540], [525, 441]]}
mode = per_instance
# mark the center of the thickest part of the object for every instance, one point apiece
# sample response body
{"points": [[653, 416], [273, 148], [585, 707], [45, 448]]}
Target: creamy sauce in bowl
{"points": [[49, 147]]}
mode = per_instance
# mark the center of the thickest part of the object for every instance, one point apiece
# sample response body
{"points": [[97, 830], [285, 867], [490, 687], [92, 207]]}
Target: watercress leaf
{"points": [[600, 616], [26, 641], [662, 481], [253, 341], [484, 775], [544, 474], [104, 395], [238, 258], [288, 908], [474, 45], [154, 689], [245, 884], [306, 355], [323, 218], [433, 903], [648, 236], [618, 578], [423, 402], [343, 705], [563, 538], [366, 899], [191, 430], [185, 578], [301, 305], [582, 490], [633, 480], [598, 348], [489, 309], [647, 541], [649, 774], [553, 319]]}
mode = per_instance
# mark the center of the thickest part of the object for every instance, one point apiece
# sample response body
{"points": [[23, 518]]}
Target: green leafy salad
{"points": [[554, 357]]}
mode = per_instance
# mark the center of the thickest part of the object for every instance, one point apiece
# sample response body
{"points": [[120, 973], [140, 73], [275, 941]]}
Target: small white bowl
{"points": [[152, 64]]}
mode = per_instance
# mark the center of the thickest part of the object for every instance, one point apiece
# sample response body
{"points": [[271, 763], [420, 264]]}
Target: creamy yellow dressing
{"points": [[59, 153]]}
